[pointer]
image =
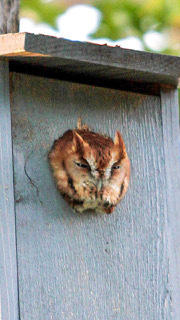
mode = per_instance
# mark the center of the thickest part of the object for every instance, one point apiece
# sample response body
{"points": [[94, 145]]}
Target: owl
{"points": [[91, 170]]}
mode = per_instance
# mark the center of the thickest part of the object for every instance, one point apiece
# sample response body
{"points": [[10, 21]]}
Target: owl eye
{"points": [[116, 167], [82, 165]]}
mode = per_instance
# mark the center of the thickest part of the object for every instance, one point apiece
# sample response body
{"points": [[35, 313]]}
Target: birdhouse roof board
{"points": [[87, 62]]}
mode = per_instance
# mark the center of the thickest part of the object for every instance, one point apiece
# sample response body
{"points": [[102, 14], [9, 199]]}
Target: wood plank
{"points": [[12, 43], [171, 132], [8, 263], [89, 266], [88, 60]]}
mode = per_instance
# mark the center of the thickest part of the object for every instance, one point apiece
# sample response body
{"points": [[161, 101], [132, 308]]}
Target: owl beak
{"points": [[101, 173], [99, 185]]}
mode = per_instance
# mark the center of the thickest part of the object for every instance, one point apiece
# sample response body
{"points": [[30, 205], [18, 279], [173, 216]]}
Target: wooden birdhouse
{"points": [[58, 264]]}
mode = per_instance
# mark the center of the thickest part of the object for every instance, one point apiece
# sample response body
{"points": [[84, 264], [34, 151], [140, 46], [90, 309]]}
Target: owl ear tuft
{"points": [[118, 141], [78, 142]]}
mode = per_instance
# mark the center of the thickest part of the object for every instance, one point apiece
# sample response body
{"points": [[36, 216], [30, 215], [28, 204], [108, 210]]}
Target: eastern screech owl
{"points": [[91, 170]]}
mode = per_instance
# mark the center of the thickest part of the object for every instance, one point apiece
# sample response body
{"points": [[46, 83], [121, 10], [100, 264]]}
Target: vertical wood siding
{"points": [[170, 123], [8, 268], [89, 266]]}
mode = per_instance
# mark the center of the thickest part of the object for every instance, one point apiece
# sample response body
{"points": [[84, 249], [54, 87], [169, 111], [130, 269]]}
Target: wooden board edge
{"points": [[171, 133], [104, 55], [12, 44], [8, 256]]}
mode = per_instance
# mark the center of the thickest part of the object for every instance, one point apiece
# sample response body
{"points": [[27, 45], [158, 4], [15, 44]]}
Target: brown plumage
{"points": [[91, 170]]}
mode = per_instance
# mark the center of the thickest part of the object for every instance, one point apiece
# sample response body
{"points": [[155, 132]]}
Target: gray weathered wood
{"points": [[102, 63], [9, 16], [89, 266], [8, 263], [171, 132]]}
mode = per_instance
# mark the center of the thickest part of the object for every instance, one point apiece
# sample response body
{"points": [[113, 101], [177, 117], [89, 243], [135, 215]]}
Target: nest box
{"points": [[57, 264]]}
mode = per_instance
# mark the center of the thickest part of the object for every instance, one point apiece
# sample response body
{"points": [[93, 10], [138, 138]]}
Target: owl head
{"points": [[91, 170]]}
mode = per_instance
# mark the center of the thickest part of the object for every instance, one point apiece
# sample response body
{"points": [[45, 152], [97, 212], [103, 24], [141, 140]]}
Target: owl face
{"points": [[91, 170]]}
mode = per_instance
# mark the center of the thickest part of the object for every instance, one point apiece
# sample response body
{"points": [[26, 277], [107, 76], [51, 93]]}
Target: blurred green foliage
{"points": [[138, 16], [41, 10], [135, 17]]}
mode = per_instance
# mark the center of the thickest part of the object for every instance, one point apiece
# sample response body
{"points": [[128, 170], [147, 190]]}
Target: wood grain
{"points": [[64, 58], [89, 266], [171, 132], [8, 263]]}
